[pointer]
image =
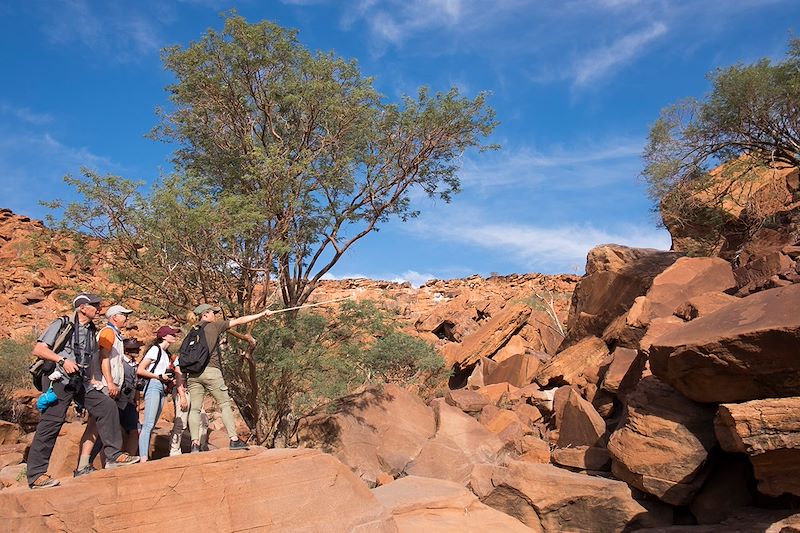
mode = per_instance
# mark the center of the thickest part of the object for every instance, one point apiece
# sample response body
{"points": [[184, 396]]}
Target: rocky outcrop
{"points": [[427, 504], [769, 432], [569, 365], [549, 499], [615, 276], [374, 432], [743, 351], [662, 442], [259, 489]]}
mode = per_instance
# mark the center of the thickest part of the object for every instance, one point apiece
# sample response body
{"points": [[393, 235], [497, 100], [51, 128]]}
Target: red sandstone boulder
{"points": [[467, 400], [426, 504], [704, 304], [518, 370], [459, 444], [9, 432], [486, 341], [577, 421], [743, 351], [550, 499], [567, 366], [373, 432], [615, 276], [259, 489], [662, 442], [583, 458], [624, 371], [769, 432]]}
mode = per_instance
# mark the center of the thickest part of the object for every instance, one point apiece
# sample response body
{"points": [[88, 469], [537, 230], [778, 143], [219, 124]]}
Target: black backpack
{"points": [[194, 354], [40, 367]]}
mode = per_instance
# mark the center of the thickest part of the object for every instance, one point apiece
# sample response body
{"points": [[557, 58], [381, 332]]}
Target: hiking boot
{"points": [[43, 482], [122, 459], [195, 448], [238, 444], [88, 469]]}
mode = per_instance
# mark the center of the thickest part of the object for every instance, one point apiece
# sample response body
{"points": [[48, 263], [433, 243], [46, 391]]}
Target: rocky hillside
{"points": [[669, 404]]}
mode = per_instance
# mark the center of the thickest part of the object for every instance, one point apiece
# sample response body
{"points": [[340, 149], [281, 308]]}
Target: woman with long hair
{"points": [[155, 367]]}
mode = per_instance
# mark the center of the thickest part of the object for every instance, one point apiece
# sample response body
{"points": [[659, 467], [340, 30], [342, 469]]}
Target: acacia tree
{"points": [[305, 145], [285, 159], [749, 120]]}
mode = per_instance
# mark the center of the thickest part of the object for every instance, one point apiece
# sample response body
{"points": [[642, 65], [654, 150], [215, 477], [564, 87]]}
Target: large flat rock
{"points": [[258, 489], [744, 351], [427, 504], [550, 499]]}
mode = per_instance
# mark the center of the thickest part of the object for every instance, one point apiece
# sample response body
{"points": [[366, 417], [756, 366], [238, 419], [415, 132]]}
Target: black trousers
{"points": [[99, 405]]}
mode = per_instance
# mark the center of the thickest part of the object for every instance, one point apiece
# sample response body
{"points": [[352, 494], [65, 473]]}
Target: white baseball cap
{"points": [[117, 310]]}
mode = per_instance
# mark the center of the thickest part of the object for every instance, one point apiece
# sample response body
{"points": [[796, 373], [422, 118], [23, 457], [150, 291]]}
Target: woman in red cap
{"points": [[155, 367]]}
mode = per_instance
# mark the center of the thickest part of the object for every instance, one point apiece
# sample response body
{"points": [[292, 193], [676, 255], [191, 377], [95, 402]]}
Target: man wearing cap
{"points": [[210, 379], [75, 360], [107, 375]]}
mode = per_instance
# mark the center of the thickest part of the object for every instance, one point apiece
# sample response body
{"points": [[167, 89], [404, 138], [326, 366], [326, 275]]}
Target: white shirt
{"points": [[163, 363]]}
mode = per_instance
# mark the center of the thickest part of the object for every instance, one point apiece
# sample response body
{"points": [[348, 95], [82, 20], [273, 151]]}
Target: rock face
{"points": [[662, 442], [549, 499], [567, 366], [615, 276], [276, 490], [769, 432], [743, 351], [373, 432], [577, 421], [427, 504], [488, 339]]}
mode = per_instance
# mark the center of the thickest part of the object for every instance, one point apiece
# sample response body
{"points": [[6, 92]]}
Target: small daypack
{"points": [[40, 367], [194, 353]]}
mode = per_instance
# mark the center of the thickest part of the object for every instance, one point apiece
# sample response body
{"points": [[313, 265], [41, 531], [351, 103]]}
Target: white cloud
{"points": [[26, 115], [558, 248], [115, 29], [584, 164], [601, 61]]}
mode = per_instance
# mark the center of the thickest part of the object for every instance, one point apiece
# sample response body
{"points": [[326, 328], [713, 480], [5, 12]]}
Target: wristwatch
{"points": [[61, 361]]}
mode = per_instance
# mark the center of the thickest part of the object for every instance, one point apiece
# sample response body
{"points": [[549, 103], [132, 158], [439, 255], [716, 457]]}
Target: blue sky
{"points": [[576, 84]]}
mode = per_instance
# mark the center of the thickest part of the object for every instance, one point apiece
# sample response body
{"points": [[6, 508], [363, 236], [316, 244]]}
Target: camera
{"points": [[127, 390], [140, 384], [169, 374], [74, 383]]}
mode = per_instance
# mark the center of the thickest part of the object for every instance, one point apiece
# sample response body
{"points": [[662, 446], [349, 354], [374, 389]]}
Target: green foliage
{"points": [[15, 357], [310, 360], [749, 120]]}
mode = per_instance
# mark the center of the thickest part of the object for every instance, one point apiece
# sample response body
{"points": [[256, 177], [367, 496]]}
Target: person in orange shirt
{"points": [[107, 375]]}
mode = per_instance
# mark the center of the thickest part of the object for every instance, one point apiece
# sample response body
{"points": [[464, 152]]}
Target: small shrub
{"points": [[15, 357]]}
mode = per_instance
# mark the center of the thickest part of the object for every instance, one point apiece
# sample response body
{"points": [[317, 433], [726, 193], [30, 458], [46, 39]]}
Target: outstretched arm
{"points": [[249, 318]]}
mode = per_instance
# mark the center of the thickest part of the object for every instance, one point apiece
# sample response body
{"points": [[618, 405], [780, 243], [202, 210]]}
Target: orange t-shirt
{"points": [[106, 340]]}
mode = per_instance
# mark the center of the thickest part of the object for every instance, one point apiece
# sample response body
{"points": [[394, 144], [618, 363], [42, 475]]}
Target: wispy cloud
{"points": [[583, 165], [119, 30], [26, 115], [604, 60], [546, 248]]}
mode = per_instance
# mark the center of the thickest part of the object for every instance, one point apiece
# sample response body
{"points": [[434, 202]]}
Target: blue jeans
{"points": [[153, 402]]}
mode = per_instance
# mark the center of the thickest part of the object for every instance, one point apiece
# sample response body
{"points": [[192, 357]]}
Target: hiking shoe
{"points": [[195, 448], [122, 460], [88, 469], [238, 444], [43, 482]]}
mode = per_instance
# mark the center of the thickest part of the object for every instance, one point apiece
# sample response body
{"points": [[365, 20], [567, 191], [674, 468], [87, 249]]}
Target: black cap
{"points": [[131, 345], [85, 298]]}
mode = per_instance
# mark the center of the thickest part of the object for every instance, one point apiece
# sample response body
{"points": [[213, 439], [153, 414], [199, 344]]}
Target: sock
{"points": [[83, 462]]}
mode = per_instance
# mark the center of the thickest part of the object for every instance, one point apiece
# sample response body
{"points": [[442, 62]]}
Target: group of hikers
{"points": [[99, 371]]}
